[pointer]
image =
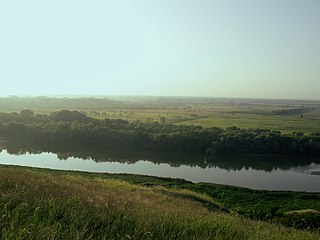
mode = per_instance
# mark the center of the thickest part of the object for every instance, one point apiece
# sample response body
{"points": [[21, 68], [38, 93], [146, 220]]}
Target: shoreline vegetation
{"points": [[74, 127], [42, 203]]}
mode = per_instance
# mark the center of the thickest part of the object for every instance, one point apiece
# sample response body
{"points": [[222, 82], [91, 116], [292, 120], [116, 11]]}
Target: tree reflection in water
{"points": [[174, 159]]}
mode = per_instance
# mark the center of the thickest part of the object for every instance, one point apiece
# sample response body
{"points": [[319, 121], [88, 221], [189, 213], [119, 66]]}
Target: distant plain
{"points": [[286, 116]]}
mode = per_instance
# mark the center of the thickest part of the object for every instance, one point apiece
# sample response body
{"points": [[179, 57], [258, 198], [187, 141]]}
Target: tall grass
{"points": [[45, 204]]}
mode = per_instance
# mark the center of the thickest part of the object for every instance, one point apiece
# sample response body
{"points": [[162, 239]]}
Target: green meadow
{"points": [[285, 116], [224, 117], [49, 204]]}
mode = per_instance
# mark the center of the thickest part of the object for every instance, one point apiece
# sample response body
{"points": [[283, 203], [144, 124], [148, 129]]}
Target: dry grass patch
{"points": [[41, 204]]}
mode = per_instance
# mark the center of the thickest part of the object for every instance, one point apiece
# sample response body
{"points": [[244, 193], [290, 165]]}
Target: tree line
{"points": [[76, 128]]}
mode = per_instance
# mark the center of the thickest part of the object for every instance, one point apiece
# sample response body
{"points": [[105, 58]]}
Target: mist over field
{"points": [[244, 49]]}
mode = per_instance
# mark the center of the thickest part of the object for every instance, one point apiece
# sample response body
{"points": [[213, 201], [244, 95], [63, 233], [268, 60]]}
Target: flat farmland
{"points": [[286, 116], [266, 117]]}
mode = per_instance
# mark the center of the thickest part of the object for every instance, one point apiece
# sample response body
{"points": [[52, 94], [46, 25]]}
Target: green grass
{"points": [[285, 124], [304, 212], [256, 204], [48, 204], [224, 116], [243, 113]]}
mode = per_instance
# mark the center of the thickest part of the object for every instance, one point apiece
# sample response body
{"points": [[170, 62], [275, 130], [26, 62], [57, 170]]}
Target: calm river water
{"points": [[253, 172]]}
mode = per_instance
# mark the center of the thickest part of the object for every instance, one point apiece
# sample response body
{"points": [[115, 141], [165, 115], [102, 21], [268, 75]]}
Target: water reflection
{"points": [[273, 173], [98, 155]]}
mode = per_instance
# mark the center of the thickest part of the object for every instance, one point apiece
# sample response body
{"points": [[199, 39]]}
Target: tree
{"points": [[162, 119]]}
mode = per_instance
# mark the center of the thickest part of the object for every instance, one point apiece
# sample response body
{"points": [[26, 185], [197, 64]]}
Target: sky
{"points": [[226, 48]]}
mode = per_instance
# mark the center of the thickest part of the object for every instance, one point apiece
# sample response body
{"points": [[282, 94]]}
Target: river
{"points": [[270, 173]]}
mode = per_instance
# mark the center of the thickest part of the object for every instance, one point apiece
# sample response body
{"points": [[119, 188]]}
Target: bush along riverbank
{"points": [[76, 128]]}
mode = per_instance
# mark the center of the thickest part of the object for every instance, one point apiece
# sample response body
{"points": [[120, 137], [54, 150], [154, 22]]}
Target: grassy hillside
{"points": [[47, 204]]}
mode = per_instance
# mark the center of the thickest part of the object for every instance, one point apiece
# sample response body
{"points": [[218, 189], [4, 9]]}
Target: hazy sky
{"points": [[247, 48]]}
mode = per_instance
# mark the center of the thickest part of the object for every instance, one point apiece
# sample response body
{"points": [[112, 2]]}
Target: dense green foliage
{"points": [[75, 127], [264, 205], [49, 204]]}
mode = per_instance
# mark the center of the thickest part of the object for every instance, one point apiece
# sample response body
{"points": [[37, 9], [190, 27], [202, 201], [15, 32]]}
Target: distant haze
{"points": [[226, 48]]}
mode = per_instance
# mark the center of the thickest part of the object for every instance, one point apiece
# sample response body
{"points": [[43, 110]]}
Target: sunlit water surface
{"points": [[302, 178]]}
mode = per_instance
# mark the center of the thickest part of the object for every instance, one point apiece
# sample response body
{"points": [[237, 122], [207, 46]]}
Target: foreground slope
{"points": [[46, 204]]}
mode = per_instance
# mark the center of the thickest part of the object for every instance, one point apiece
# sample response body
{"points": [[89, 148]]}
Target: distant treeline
{"points": [[76, 128], [55, 104], [292, 111]]}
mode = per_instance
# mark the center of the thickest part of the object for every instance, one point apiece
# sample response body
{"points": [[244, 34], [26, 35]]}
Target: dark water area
{"points": [[256, 172]]}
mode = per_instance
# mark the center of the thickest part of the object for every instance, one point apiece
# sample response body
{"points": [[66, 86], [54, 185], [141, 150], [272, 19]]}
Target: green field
{"points": [[286, 116], [48, 204], [222, 116]]}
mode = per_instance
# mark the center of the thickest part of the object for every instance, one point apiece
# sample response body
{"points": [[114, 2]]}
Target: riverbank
{"points": [[42, 203], [65, 127]]}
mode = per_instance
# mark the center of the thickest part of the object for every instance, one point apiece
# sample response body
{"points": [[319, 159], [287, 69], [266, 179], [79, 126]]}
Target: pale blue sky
{"points": [[247, 48]]}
